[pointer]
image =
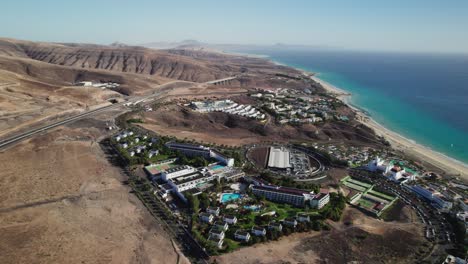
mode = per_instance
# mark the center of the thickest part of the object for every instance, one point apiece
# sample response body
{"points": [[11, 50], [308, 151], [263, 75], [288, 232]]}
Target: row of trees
{"points": [[335, 208]]}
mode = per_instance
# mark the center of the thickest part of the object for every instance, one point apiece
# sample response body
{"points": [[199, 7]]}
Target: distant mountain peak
{"points": [[118, 44]]}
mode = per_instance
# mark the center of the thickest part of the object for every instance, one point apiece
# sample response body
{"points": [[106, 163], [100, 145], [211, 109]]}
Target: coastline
{"points": [[397, 141], [449, 165]]}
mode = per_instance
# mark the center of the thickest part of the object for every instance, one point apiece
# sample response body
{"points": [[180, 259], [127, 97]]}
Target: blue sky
{"points": [[398, 25]]}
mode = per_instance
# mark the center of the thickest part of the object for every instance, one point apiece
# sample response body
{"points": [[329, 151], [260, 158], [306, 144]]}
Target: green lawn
{"points": [[381, 195], [354, 186], [367, 185], [366, 204], [158, 158]]}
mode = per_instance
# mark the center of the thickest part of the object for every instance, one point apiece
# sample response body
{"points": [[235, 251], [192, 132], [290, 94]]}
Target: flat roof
{"points": [[286, 190], [177, 168], [187, 146], [320, 196], [188, 178], [158, 168], [242, 232], [258, 228], [279, 158]]}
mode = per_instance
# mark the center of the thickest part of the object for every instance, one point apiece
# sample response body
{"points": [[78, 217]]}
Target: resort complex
{"points": [[393, 170], [229, 107], [364, 196]]}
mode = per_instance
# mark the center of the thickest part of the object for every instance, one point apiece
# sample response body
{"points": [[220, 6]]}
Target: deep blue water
{"points": [[424, 97]]}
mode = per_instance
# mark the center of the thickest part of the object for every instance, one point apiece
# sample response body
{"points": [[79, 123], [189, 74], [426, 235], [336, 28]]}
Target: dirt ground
{"points": [[62, 202], [349, 240], [226, 129]]}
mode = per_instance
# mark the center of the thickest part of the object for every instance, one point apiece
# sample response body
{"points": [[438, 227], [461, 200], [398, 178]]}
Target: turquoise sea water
{"points": [[420, 96]]}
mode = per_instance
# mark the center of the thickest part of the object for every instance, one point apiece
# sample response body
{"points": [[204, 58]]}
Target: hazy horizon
{"points": [[419, 26]]}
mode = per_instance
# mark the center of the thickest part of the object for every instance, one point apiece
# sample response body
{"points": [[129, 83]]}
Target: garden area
{"points": [[254, 211]]}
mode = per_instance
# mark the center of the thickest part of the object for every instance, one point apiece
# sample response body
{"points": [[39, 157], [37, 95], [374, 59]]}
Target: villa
{"points": [[217, 241], [221, 225], [216, 232], [213, 210], [275, 226], [242, 235], [258, 231], [206, 217], [230, 219], [303, 218], [290, 222]]}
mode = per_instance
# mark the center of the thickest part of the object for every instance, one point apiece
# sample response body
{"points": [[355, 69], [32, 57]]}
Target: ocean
{"points": [[423, 97]]}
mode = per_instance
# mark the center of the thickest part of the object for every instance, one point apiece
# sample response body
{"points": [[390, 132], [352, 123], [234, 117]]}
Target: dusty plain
{"points": [[63, 202]]}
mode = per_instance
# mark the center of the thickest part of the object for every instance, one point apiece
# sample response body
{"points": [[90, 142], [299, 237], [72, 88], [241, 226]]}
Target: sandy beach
{"points": [[449, 165]]}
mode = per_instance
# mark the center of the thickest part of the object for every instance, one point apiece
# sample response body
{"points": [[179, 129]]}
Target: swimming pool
{"points": [[217, 167], [252, 207], [227, 197]]}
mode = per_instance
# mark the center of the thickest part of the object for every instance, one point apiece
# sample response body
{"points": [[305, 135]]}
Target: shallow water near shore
{"points": [[423, 97]]}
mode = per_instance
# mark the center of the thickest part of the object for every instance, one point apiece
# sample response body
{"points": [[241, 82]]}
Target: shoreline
{"points": [[397, 141], [447, 164]]}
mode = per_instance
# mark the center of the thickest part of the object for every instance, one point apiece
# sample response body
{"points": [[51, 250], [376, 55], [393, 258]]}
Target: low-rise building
{"points": [[152, 153], [213, 210], [189, 181], [242, 235], [217, 232], [280, 194], [290, 221], [434, 196], [258, 231], [275, 226], [217, 241], [201, 151], [303, 218], [221, 225], [230, 219], [320, 200], [206, 218], [177, 171]]}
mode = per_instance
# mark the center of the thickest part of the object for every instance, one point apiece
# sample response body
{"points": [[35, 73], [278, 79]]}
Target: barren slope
{"points": [[62, 202], [229, 129]]}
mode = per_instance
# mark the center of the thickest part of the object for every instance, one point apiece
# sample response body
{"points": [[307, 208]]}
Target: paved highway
{"points": [[134, 100], [22, 136]]}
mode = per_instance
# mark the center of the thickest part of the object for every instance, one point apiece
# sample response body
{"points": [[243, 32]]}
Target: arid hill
{"points": [[228, 129], [196, 66]]}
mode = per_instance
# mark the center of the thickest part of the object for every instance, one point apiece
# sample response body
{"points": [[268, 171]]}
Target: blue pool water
{"points": [[252, 207], [217, 167], [227, 197]]}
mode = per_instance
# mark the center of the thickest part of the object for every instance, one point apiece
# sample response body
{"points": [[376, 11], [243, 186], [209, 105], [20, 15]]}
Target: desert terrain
{"points": [[63, 202], [36, 79], [224, 129], [61, 199]]}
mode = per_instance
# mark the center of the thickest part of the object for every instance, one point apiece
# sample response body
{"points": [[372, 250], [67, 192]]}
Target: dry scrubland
{"points": [[221, 128], [36, 78], [62, 202], [366, 239]]}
